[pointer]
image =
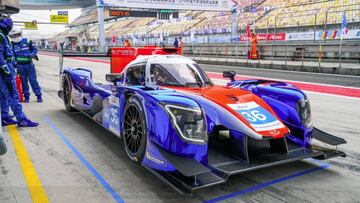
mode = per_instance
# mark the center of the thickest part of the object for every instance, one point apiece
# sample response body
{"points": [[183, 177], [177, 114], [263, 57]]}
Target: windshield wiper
{"points": [[173, 84], [193, 84], [208, 83]]}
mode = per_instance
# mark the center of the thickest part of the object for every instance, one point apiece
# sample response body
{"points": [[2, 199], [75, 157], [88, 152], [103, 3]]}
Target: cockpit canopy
{"points": [[178, 74], [161, 71]]}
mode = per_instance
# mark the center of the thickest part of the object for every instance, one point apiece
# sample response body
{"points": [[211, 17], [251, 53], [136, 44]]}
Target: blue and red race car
{"points": [[189, 132]]}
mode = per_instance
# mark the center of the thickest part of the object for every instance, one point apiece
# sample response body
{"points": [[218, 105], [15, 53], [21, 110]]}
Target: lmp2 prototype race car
{"points": [[189, 132]]}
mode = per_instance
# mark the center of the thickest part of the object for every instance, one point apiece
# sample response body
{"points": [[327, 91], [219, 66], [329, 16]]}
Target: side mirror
{"points": [[229, 74], [114, 77]]}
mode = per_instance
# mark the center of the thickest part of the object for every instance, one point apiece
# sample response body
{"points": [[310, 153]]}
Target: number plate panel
{"points": [[258, 117]]}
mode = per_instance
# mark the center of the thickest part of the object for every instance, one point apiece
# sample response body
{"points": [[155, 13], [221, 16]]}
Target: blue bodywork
{"points": [[287, 101]]}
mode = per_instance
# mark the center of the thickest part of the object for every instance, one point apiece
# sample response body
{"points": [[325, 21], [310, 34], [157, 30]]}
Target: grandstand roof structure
{"points": [[55, 4]]}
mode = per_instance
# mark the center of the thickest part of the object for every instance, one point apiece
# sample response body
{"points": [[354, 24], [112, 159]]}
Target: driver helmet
{"points": [[139, 75], [6, 24], [16, 34]]}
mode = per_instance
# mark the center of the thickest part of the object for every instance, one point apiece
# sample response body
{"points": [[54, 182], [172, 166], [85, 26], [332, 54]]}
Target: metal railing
{"points": [[297, 56]]}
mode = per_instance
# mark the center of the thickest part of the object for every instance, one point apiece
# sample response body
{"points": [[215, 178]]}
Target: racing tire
{"points": [[67, 93], [134, 129]]}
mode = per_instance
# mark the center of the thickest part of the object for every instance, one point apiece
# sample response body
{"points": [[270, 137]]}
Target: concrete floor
{"points": [[66, 179]]}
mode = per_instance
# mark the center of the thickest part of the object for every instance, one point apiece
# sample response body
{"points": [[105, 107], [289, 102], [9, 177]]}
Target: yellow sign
{"points": [[31, 25], [59, 19]]}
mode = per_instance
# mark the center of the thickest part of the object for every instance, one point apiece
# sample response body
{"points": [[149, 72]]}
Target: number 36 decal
{"points": [[254, 116], [258, 117]]}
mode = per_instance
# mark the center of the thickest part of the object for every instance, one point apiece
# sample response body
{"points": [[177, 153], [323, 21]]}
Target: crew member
{"points": [[176, 43], [127, 43], [24, 53], [8, 94], [181, 45], [253, 51]]}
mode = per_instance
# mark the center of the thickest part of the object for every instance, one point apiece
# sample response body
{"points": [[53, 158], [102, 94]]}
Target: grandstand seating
{"points": [[138, 27], [176, 27], [119, 27], [286, 13], [292, 14]]}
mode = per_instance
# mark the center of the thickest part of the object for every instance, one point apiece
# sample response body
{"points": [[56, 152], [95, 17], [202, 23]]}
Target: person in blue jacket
{"points": [[24, 52], [8, 93]]}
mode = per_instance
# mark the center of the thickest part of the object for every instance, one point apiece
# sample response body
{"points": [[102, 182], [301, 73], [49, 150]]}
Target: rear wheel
{"points": [[134, 129], [67, 93]]}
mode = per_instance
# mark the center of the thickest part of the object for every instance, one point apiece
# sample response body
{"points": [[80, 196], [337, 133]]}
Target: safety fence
{"points": [[298, 51], [304, 56]]}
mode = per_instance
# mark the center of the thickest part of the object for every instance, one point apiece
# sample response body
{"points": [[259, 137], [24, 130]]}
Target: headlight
{"points": [[304, 112], [189, 122]]}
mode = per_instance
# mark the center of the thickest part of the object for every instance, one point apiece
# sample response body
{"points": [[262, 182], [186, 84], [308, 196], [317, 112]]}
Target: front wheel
{"points": [[134, 129]]}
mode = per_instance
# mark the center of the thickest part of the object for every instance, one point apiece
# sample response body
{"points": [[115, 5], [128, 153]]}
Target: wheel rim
{"points": [[134, 130]]}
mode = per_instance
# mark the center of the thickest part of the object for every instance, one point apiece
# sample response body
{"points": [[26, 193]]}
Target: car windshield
{"points": [[179, 74]]}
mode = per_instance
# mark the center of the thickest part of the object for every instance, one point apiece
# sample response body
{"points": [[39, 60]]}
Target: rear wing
{"points": [[122, 56], [119, 56]]}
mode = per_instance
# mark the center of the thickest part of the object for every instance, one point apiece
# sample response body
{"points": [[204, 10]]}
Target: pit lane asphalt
{"points": [[66, 179]]}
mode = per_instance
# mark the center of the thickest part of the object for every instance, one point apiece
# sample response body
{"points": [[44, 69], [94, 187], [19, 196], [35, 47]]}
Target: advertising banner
{"points": [[264, 37], [203, 5], [130, 13], [31, 25], [59, 19], [321, 35], [336, 34], [63, 13], [301, 36]]}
